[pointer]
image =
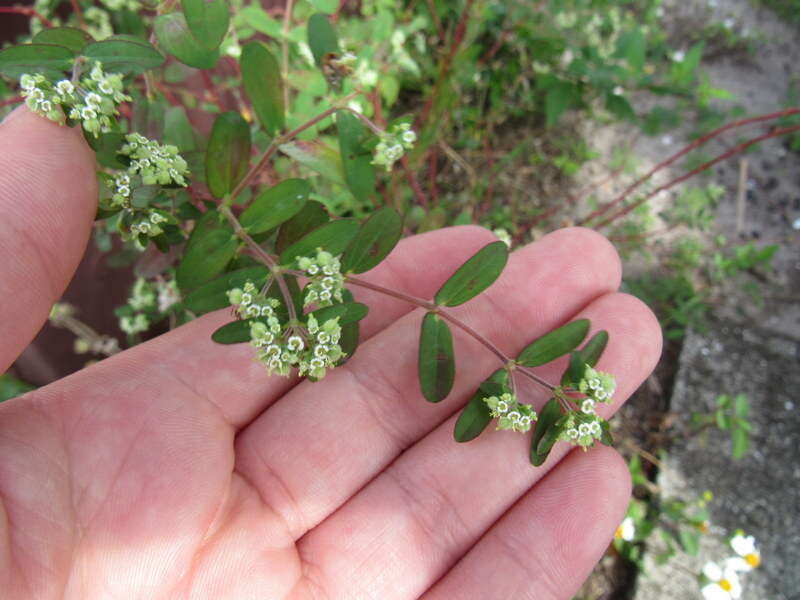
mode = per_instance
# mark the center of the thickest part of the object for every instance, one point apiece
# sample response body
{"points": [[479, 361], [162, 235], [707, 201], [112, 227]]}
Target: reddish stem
{"points": [[26, 12], [458, 37], [414, 182], [211, 89], [9, 101], [698, 142], [735, 150], [76, 8]]}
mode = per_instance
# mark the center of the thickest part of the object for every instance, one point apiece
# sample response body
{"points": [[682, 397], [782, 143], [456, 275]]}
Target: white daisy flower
{"points": [[626, 530], [723, 584], [749, 557]]}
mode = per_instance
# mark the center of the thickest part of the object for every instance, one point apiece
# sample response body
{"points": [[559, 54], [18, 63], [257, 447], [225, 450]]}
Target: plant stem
{"points": [[265, 258], [287, 21], [698, 142], [26, 12], [280, 140], [76, 8], [430, 306], [735, 150]]}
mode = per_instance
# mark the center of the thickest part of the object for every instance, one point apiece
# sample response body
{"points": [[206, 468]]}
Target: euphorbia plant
{"points": [[270, 249]]}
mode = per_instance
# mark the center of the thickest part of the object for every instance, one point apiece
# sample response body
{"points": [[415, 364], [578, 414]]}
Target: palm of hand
{"points": [[179, 469]]}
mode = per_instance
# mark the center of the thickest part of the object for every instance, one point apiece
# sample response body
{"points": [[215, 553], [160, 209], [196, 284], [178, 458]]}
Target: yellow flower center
{"points": [[618, 532], [725, 585], [753, 559]]}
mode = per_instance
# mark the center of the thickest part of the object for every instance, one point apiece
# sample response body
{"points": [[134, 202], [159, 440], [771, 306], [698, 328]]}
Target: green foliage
{"points": [[11, 387], [730, 414], [437, 368]]}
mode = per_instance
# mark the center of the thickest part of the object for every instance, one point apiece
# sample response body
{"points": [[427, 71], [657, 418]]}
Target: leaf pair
{"points": [[436, 356], [53, 51]]}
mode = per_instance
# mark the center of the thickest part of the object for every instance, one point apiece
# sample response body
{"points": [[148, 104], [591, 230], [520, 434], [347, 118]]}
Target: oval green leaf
{"points": [[474, 276], [548, 417], [588, 355], [311, 216], [359, 172], [476, 414], [276, 205], [317, 156], [208, 21], [210, 248], [333, 237], [48, 59], [437, 366], [228, 153], [374, 241], [555, 344], [69, 37], [174, 37], [213, 295], [124, 55], [347, 312], [236, 332], [322, 37], [263, 83]]}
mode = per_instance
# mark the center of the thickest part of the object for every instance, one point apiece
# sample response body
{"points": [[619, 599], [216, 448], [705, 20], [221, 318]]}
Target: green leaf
{"points": [[741, 406], [213, 295], [476, 414], [437, 366], [106, 147], [311, 216], [560, 96], [347, 312], [208, 20], [263, 83], [124, 54], [256, 17], [588, 355], [69, 37], [543, 440], [316, 156], [741, 442], [690, 540], [333, 237], [632, 46], [605, 437], [11, 387], [555, 344], [322, 38], [620, 107], [174, 37], [474, 276], [359, 172], [374, 241], [48, 59], [236, 332], [276, 205], [210, 248], [178, 131], [228, 153], [325, 6], [351, 333]]}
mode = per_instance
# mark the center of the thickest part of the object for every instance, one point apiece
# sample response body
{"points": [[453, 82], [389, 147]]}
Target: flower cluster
{"points": [[723, 582], [92, 102], [583, 426], [148, 302], [598, 387], [510, 413], [148, 223], [325, 280], [154, 162], [582, 429], [311, 347], [393, 145]]}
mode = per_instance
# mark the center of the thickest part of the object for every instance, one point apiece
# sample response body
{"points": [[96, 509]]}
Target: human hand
{"points": [[179, 469]]}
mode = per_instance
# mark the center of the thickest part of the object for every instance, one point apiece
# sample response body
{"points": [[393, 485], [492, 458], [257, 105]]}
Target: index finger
{"points": [[48, 196]]}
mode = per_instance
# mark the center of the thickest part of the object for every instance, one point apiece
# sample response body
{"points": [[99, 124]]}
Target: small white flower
{"points": [[678, 56], [724, 584], [587, 406], [749, 557], [626, 530]]}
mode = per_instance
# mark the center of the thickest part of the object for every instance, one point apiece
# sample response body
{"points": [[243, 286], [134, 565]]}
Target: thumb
{"points": [[48, 200]]}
